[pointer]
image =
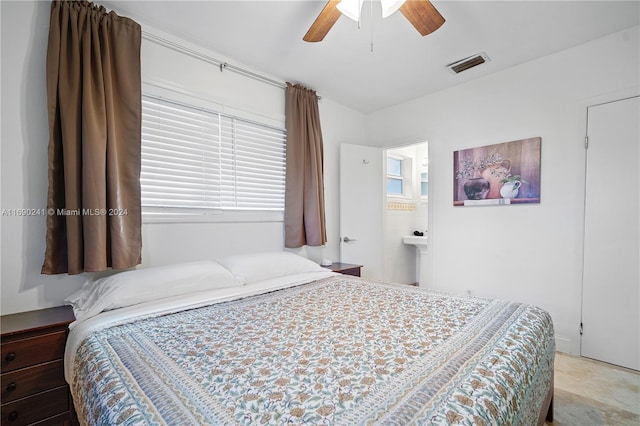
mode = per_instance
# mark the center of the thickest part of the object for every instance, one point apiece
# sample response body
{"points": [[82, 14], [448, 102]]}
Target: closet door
{"points": [[611, 280]]}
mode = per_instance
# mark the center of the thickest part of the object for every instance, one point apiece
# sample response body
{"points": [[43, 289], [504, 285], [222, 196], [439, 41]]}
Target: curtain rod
{"points": [[206, 58], [209, 59]]}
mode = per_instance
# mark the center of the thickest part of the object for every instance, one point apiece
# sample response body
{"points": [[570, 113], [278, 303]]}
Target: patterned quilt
{"points": [[338, 351]]}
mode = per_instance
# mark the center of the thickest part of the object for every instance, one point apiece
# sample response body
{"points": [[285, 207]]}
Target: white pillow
{"points": [[251, 268], [143, 285]]}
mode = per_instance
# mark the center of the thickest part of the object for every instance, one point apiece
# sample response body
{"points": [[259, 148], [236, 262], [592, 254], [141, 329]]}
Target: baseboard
{"points": [[563, 344]]}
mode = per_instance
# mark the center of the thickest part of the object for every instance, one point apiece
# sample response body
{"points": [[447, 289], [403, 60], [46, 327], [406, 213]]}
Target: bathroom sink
{"points": [[422, 257], [420, 242]]}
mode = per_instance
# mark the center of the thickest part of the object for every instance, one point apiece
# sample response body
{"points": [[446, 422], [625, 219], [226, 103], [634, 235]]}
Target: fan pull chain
{"points": [[371, 9]]}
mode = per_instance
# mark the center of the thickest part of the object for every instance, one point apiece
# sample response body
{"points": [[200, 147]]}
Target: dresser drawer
{"points": [[28, 381], [36, 407], [59, 420], [33, 350]]}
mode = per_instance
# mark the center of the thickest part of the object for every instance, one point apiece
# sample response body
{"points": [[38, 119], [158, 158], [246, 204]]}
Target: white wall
{"points": [[24, 133], [530, 253], [24, 140]]}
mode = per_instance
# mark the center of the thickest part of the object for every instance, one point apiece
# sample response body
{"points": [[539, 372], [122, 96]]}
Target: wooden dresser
{"points": [[345, 268], [33, 387]]}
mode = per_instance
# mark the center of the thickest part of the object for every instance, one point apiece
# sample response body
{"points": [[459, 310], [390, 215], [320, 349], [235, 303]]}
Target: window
{"points": [[424, 184], [395, 181], [201, 162]]}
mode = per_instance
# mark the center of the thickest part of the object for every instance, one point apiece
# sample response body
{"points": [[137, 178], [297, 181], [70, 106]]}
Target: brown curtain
{"points": [[94, 106], [304, 216]]}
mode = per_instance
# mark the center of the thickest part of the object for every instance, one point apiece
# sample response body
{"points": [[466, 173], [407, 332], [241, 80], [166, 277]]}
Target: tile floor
{"points": [[593, 393]]}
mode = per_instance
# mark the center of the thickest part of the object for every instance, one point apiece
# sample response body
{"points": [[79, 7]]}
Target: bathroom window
{"points": [[395, 176], [424, 184]]}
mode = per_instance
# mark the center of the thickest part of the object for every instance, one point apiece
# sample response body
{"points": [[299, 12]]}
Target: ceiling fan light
{"points": [[389, 7], [351, 8]]}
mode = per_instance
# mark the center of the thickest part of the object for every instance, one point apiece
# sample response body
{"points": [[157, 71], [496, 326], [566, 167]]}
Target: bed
{"points": [[275, 339]]}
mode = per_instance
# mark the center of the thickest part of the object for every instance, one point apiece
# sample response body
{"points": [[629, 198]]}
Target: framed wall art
{"points": [[500, 174]]}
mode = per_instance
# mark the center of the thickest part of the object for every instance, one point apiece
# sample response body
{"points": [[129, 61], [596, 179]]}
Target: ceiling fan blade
{"points": [[422, 15], [323, 22]]}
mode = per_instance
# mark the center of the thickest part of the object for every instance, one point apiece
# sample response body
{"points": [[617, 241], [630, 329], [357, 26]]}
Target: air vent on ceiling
{"points": [[469, 62]]}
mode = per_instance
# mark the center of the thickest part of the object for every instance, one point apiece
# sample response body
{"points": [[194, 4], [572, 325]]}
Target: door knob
{"points": [[347, 239]]}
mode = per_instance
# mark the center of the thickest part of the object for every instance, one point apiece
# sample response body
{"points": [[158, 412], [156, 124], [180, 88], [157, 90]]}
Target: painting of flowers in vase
{"points": [[504, 173]]}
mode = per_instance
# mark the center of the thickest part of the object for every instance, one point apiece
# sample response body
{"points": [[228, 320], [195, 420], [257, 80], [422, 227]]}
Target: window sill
{"points": [[400, 199], [222, 217]]}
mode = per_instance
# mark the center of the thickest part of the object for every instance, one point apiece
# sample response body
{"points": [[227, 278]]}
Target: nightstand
{"points": [[32, 350], [345, 268]]}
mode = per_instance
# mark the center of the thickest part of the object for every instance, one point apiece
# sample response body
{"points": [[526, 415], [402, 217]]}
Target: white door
{"points": [[611, 281], [361, 208]]}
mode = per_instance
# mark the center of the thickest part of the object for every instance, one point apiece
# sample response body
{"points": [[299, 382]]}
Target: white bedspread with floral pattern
{"points": [[340, 350]]}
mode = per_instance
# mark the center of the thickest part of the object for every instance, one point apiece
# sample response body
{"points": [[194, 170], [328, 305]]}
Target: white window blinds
{"points": [[196, 161]]}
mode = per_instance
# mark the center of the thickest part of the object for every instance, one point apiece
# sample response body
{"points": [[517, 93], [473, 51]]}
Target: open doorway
{"points": [[406, 210]]}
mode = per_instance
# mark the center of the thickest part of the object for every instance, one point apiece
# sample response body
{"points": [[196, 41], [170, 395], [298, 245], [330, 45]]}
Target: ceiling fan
{"points": [[420, 13]]}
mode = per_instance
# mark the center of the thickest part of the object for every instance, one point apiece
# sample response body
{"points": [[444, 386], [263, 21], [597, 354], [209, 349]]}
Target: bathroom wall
{"points": [[404, 215]]}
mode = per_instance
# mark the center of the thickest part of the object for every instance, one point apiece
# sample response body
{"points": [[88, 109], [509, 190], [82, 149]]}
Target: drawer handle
{"points": [[10, 356], [11, 387], [13, 416]]}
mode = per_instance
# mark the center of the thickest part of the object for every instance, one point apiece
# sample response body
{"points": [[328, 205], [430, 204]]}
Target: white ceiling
{"points": [[267, 36]]}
